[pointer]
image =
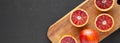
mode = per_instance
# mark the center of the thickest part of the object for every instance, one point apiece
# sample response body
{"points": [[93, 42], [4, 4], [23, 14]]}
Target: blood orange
{"points": [[104, 5], [79, 18], [104, 22], [89, 36], [67, 39]]}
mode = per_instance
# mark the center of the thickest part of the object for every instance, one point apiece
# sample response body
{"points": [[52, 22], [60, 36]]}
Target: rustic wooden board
{"points": [[63, 26]]}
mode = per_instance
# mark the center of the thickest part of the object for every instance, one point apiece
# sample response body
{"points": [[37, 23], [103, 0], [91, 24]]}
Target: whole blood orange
{"points": [[79, 18], [104, 5], [104, 22], [89, 36], [67, 39]]}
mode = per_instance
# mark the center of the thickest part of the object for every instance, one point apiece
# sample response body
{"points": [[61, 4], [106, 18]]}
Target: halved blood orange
{"points": [[67, 39], [104, 22], [79, 18], [104, 5]]}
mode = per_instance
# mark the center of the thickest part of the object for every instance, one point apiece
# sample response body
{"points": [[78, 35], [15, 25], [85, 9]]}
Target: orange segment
{"points": [[67, 39], [104, 5], [79, 18], [104, 22]]}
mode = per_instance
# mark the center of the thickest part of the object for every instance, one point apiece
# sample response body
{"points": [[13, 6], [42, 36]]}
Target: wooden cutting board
{"points": [[64, 27]]}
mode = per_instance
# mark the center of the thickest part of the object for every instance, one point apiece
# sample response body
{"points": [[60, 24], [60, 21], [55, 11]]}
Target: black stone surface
{"points": [[27, 21]]}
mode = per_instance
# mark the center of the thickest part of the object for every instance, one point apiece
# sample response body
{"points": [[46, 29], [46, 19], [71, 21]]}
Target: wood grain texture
{"points": [[64, 27]]}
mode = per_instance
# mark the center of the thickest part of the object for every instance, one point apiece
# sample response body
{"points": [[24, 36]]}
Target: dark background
{"points": [[27, 21]]}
